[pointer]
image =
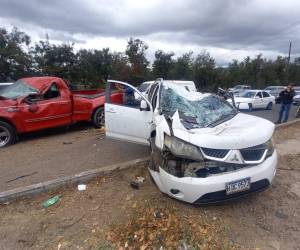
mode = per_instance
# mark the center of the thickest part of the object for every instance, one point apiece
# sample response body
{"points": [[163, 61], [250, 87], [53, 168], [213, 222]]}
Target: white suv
{"points": [[202, 149]]}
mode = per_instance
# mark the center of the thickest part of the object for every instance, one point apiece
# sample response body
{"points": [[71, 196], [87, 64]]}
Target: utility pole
{"points": [[288, 62]]}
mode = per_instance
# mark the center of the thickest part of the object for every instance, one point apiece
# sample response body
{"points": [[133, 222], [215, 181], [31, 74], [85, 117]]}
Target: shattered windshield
{"points": [[195, 110], [19, 88]]}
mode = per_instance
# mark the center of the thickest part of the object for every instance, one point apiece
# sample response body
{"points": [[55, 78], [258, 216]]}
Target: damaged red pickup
{"points": [[38, 103]]}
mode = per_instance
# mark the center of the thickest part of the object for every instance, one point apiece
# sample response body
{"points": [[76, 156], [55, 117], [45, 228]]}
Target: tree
{"points": [[183, 67], [56, 60], [15, 62], [204, 71], [162, 64], [136, 52]]}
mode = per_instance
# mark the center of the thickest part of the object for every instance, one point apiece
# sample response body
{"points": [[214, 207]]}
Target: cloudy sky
{"points": [[226, 28]]}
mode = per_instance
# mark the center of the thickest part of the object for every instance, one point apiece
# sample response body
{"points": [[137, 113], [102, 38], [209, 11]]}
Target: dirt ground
{"points": [[112, 215]]}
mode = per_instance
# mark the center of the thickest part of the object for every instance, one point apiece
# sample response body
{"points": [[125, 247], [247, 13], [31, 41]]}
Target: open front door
{"points": [[128, 114]]}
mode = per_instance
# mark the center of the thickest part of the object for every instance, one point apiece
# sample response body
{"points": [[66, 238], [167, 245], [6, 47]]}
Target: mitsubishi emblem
{"points": [[234, 158]]}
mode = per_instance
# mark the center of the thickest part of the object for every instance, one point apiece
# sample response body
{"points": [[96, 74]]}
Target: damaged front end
{"points": [[182, 159]]}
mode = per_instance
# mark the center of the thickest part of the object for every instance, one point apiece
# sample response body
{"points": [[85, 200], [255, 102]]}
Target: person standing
{"points": [[286, 99]]}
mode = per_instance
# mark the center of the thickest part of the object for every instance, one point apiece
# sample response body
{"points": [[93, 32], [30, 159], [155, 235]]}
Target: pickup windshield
{"points": [[19, 88], [202, 110]]}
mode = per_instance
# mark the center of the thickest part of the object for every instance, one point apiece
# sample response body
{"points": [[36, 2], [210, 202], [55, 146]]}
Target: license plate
{"points": [[238, 186]]}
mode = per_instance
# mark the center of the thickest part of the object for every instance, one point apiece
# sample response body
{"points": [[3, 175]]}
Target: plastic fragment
{"points": [[51, 201], [81, 187]]}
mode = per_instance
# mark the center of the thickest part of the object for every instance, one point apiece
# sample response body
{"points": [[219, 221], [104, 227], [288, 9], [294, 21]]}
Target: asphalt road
{"points": [[55, 153]]}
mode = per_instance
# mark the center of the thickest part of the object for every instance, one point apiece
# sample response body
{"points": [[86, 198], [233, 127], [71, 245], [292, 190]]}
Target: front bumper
{"points": [[212, 189]]}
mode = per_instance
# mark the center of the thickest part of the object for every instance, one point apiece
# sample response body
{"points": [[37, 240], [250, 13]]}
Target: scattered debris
{"points": [[81, 187], [51, 201], [136, 183]]}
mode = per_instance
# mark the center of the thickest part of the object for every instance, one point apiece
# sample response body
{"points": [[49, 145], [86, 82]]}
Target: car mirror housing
{"points": [[144, 106]]}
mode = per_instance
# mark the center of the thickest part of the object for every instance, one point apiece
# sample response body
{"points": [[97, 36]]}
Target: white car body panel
{"points": [[239, 132], [127, 123], [192, 188]]}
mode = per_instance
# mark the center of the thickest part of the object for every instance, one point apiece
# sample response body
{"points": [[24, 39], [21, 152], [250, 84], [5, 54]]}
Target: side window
{"points": [[52, 92], [259, 94], [124, 95], [265, 94]]}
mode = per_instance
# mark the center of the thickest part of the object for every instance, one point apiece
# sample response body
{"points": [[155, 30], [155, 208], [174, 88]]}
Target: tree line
{"points": [[20, 57]]}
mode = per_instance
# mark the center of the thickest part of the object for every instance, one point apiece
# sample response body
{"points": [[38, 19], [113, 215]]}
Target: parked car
{"points": [[296, 99], [240, 88], [37, 103], [275, 91], [202, 149], [254, 99], [4, 85]]}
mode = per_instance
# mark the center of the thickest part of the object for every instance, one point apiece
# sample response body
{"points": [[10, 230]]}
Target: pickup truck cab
{"points": [[38, 103], [203, 150]]}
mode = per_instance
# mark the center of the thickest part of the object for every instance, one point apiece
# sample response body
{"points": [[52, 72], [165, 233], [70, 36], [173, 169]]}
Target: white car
{"points": [[254, 99], [202, 149], [4, 84]]}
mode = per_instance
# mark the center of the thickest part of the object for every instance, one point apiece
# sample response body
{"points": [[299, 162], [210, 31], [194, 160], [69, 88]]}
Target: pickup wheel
{"points": [[7, 134], [98, 117]]}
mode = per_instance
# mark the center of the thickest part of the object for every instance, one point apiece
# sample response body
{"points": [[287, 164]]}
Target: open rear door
{"points": [[128, 114]]}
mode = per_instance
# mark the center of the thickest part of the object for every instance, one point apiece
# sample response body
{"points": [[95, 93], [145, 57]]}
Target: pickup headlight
{"points": [[182, 149]]}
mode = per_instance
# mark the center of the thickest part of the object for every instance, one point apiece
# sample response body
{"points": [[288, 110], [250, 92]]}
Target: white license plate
{"points": [[238, 186]]}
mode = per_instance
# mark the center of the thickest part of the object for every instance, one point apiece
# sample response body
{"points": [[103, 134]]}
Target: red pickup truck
{"points": [[37, 103]]}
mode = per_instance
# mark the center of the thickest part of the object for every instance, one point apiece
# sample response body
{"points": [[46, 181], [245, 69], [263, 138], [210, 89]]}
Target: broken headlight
{"points": [[182, 149], [270, 148]]}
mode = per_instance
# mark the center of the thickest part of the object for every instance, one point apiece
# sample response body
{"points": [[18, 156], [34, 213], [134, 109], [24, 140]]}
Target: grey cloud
{"points": [[232, 24]]}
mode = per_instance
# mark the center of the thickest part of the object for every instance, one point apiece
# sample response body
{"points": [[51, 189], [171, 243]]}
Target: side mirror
{"points": [[144, 106], [32, 98]]}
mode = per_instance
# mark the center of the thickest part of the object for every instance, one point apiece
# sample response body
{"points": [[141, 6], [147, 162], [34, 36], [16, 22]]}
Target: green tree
{"points": [[162, 64], [136, 52], [182, 69], [15, 62]]}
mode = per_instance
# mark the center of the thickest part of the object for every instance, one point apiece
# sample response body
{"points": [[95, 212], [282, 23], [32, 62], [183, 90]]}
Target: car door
{"points": [[258, 100], [127, 120], [266, 99], [51, 109]]}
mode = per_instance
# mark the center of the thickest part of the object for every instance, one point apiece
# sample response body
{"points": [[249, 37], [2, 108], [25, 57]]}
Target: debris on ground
{"points": [[51, 201], [81, 187], [164, 228], [137, 182]]}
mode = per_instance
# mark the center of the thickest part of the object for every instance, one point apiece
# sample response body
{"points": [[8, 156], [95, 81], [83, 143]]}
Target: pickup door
{"points": [[51, 109], [125, 119]]}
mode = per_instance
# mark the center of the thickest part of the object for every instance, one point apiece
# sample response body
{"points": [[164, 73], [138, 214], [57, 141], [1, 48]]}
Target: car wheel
{"points": [[98, 117], [269, 106], [7, 134], [250, 107]]}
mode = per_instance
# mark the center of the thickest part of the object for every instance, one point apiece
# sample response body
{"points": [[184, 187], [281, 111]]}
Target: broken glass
{"points": [[196, 110]]}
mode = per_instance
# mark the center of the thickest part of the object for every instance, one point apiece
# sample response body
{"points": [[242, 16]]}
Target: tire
{"points": [[250, 107], [8, 134], [98, 117], [269, 106]]}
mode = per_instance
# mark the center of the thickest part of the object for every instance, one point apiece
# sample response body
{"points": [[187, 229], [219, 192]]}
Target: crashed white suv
{"points": [[202, 149]]}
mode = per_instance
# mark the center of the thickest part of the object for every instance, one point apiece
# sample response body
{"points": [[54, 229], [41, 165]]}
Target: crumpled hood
{"points": [[241, 131]]}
